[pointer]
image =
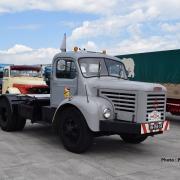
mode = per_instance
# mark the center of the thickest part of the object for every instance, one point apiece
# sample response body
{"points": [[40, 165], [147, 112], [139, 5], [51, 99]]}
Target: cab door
{"points": [[63, 80]]}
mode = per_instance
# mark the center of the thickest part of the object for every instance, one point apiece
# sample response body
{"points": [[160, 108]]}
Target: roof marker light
{"points": [[76, 49]]}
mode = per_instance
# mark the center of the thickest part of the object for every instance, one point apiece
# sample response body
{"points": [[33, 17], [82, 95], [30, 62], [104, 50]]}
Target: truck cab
{"points": [[90, 96]]}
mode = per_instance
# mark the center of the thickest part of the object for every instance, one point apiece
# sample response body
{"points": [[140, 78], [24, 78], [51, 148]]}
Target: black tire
{"points": [[9, 121], [74, 132], [21, 122], [7, 118], [133, 139]]}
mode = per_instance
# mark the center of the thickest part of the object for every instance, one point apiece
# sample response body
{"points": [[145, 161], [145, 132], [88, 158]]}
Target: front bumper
{"points": [[123, 127]]}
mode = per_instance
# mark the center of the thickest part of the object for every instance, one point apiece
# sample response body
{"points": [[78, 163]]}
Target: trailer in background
{"points": [[157, 67]]}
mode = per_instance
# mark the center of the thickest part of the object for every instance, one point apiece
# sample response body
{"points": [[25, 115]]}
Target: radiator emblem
{"points": [[154, 116]]}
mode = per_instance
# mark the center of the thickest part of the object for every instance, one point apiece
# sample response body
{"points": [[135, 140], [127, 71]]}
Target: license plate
{"points": [[155, 126]]}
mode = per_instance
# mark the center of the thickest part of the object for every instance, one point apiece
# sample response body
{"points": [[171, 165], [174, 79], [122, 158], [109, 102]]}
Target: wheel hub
{"points": [[71, 130]]}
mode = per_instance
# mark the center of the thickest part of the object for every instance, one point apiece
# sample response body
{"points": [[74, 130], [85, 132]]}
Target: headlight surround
{"points": [[107, 113]]}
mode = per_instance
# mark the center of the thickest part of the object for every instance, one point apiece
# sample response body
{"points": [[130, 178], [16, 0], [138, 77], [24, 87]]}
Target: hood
{"points": [[28, 80], [115, 83]]}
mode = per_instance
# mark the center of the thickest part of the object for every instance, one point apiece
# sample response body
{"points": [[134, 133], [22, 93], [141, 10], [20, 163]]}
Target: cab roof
{"points": [[84, 54]]}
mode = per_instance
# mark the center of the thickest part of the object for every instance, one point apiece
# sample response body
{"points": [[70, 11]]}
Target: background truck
{"points": [[1, 75], [157, 67], [90, 96], [20, 79]]}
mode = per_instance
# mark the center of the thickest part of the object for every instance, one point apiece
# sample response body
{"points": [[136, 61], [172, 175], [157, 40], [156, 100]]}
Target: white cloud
{"points": [[19, 49], [90, 6], [150, 44], [172, 28], [164, 8], [20, 54], [108, 26], [137, 12], [90, 46], [114, 24], [140, 38], [116, 17], [135, 30]]}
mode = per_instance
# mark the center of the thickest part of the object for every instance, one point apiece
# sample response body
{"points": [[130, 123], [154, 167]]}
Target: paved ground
{"points": [[36, 153]]}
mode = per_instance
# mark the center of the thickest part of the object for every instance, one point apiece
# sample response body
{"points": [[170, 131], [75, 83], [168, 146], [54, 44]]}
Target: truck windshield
{"points": [[25, 73], [95, 67]]}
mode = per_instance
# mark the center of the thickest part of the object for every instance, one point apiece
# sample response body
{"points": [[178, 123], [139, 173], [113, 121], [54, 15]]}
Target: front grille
{"points": [[121, 101], [42, 90], [156, 102]]}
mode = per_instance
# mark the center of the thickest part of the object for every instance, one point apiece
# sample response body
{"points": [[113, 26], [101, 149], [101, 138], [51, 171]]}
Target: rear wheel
{"points": [[74, 132], [133, 139], [9, 121], [21, 122]]}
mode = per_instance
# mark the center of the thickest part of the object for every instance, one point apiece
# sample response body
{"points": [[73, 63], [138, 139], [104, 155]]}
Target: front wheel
{"points": [[74, 132], [133, 139]]}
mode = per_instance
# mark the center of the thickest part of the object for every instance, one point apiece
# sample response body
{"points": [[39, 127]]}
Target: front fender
{"points": [[92, 110]]}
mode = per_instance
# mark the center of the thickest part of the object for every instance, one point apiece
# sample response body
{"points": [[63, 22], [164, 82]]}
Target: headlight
{"points": [[107, 113]]}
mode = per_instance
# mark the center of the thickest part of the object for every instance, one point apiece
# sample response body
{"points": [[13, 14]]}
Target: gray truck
{"points": [[90, 96]]}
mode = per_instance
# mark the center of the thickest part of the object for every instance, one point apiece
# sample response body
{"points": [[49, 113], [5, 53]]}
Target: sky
{"points": [[31, 31]]}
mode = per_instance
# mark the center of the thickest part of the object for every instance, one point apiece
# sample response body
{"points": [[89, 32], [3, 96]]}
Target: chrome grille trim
{"points": [[156, 102]]}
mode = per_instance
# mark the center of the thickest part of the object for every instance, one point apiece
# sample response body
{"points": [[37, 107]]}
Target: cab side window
{"points": [[6, 73], [65, 69]]}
